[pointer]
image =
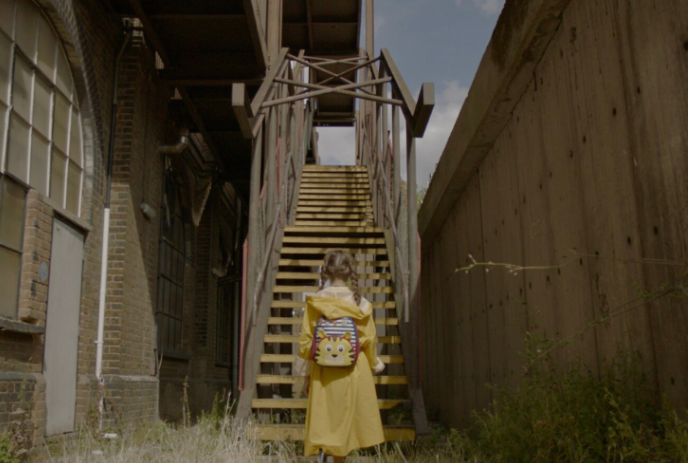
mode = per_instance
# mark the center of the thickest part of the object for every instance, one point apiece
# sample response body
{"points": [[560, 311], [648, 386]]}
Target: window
{"points": [[40, 125], [12, 205], [171, 272], [227, 269], [225, 307]]}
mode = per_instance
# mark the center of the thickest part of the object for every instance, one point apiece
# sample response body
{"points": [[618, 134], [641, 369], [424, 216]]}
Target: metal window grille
{"points": [[41, 141], [171, 272], [12, 209]]}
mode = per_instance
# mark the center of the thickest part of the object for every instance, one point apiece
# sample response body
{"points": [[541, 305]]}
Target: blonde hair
{"points": [[339, 264]]}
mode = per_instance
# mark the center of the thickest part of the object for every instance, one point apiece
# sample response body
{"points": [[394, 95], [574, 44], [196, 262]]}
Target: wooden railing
{"points": [[278, 108], [281, 133], [392, 208]]}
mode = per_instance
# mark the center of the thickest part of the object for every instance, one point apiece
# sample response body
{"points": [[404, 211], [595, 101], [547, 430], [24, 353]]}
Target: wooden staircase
{"points": [[334, 211]]}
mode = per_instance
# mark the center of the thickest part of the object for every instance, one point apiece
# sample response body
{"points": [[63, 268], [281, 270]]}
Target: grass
{"points": [[559, 414], [569, 414]]}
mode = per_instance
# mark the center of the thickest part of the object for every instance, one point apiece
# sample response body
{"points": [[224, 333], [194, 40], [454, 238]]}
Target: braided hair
{"points": [[339, 264]]}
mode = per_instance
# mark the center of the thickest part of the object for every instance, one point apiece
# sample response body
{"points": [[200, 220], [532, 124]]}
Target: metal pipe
{"points": [[177, 148], [106, 232]]}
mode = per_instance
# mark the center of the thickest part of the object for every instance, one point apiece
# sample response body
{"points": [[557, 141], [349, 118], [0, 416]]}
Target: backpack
{"points": [[335, 343]]}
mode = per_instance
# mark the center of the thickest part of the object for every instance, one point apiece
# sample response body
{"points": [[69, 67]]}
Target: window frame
{"points": [[171, 255], [59, 59], [9, 247]]}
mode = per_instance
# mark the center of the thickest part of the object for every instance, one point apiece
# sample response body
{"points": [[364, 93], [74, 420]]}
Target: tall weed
{"points": [[570, 414]]}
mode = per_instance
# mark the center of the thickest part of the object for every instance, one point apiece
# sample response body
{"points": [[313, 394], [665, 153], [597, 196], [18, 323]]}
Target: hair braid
{"points": [[323, 274], [354, 284]]}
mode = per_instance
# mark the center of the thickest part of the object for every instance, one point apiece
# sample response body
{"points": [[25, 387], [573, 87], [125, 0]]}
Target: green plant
{"points": [[570, 414]]}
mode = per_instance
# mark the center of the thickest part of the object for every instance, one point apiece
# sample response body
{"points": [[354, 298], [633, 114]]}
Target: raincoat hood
{"points": [[332, 308]]}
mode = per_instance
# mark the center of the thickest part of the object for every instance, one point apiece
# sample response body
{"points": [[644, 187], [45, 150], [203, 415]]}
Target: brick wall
{"points": [[134, 390]]}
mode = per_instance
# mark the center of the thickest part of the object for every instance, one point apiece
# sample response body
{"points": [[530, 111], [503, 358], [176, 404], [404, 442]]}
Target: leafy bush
{"points": [[573, 415]]}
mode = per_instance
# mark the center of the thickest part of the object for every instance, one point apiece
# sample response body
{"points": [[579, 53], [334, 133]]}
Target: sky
{"points": [[440, 41]]}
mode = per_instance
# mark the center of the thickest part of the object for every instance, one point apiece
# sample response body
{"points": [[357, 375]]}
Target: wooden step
{"points": [[289, 358], [326, 217], [334, 185], [318, 263], [334, 240], [313, 289], [285, 379], [332, 191], [343, 176], [311, 168], [316, 276], [334, 180], [296, 321], [325, 223], [334, 202], [331, 231], [291, 339], [388, 305], [297, 432], [383, 404], [347, 197], [335, 209], [322, 251]]}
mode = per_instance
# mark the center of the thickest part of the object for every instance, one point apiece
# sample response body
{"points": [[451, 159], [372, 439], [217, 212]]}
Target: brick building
{"points": [[178, 220]]}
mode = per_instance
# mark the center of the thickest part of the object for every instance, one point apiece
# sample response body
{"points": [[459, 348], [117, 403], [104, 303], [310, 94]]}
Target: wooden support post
{"points": [[272, 190], [370, 28], [254, 239], [413, 336], [274, 39], [396, 147]]}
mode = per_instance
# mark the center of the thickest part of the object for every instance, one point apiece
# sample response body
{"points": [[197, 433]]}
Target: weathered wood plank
{"points": [[295, 432], [285, 379], [313, 289], [384, 404], [313, 250], [300, 304], [315, 276], [317, 263]]}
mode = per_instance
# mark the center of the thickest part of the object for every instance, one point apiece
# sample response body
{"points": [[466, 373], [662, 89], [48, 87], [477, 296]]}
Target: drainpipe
{"points": [[106, 233], [177, 148]]}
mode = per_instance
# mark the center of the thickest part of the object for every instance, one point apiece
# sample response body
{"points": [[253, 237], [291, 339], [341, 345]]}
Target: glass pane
{"points": [[11, 214], [61, 122], [42, 106], [18, 149], [40, 150], [9, 282], [75, 139], [3, 121], [27, 24], [64, 75], [73, 188], [21, 92], [57, 176], [46, 47], [7, 16], [5, 66]]}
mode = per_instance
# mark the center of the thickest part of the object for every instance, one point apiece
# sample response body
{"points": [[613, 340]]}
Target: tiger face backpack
{"points": [[336, 342]]}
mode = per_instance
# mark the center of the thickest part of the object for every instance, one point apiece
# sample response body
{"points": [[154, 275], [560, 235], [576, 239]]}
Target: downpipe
{"points": [[106, 234]]}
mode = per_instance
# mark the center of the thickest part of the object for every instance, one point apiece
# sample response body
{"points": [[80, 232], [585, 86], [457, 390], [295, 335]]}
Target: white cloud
{"points": [[336, 144], [486, 6]]}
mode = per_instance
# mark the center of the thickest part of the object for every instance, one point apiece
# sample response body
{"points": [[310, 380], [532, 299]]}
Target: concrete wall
{"points": [[569, 151]]}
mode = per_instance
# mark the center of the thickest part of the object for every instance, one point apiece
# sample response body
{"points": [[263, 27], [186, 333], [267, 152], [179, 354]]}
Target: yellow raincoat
{"points": [[343, 413]]}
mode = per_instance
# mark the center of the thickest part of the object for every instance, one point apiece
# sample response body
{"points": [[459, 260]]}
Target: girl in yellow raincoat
{"points": [[343, 413]]}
